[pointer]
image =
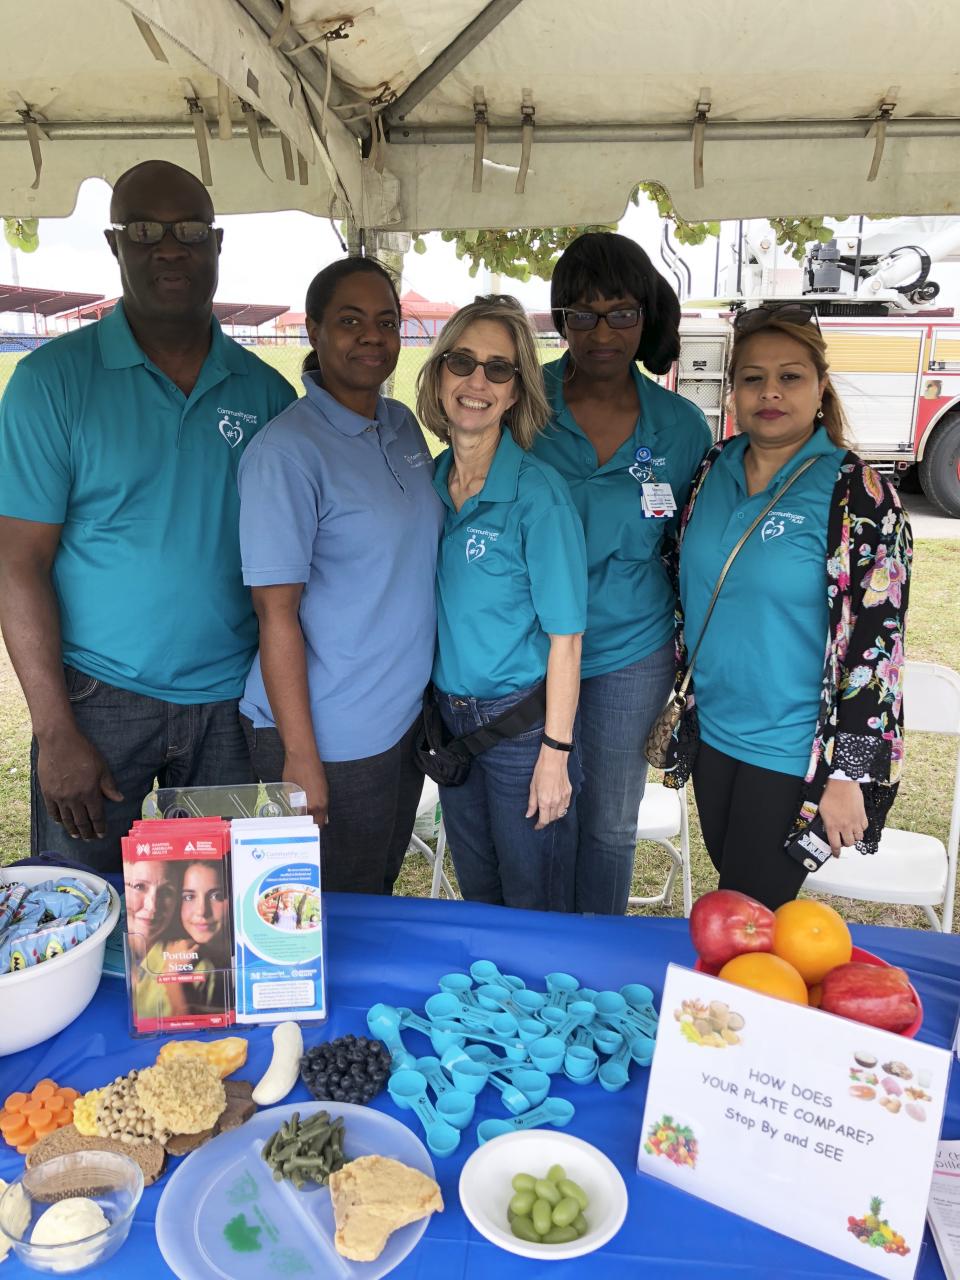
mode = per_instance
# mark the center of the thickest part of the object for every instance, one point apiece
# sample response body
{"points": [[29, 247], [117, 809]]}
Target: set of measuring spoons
{"points": [[584, 1034]]}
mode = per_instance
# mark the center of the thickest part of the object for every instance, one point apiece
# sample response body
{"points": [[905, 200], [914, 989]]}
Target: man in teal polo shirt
{"points": [[121, 598]]}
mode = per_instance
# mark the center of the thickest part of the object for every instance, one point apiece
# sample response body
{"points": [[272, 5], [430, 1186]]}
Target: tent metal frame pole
{"points": [[311, 64], [487, 20], [463, 136], [719, 131]]}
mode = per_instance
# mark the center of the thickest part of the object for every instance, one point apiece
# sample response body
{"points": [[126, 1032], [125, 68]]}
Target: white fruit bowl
{"points": [[485, 1189]]}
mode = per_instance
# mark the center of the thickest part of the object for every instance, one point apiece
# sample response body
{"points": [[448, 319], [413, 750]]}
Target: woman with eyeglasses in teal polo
{"points": [[511, 608], [628, 450]]}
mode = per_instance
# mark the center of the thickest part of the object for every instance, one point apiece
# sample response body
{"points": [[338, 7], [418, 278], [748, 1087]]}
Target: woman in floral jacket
{"points": [[777, 737]]}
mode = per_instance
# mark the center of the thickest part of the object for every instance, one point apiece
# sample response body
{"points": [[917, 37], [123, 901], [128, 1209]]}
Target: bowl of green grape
{"points": [[543, 1194]]}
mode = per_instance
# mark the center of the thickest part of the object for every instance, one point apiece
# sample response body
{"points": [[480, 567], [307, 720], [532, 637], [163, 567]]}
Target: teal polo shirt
{"points": [[511, 572], [631, 600], [757, 677], [143, 480]]}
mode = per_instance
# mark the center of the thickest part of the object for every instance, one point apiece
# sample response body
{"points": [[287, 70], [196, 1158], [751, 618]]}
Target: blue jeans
{"points": [[373, 806], [617, 711], [141, 739], [498, 855]]}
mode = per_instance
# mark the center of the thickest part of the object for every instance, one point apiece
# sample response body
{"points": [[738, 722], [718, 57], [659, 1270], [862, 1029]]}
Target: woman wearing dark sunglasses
{"points": [[338, 529], [788, 741], [511, 607], [628, 449]]}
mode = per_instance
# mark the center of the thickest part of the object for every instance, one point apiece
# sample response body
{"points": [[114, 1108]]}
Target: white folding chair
{"points": [[909, 867], [429, 799], [662, 817]]}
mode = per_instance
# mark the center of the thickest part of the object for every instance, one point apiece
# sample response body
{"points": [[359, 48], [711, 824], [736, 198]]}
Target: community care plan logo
{"points": [[776, 524], [229, 425], [477, 543]]}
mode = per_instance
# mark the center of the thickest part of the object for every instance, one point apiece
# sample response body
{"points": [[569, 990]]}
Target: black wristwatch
{"points": [[557, 746]]}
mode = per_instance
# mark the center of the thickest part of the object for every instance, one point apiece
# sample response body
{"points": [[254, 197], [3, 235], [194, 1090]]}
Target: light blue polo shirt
{"points": [[345, 504], [757, 677], [631, 601], [512, 571], [143, 480]]}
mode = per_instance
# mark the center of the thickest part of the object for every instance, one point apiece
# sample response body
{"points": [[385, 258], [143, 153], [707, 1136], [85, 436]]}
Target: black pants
{"points": [[746, 814], [373, 806]]}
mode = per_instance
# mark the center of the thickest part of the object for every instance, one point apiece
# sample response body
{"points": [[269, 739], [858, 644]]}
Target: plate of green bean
{"points": [[255, 1201]]}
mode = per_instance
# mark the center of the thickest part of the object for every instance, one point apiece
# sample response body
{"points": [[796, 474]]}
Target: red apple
{"points": [[725, 923], [880, 997]]}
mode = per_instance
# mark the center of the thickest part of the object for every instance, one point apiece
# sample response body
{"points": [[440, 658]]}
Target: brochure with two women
{"points": [[179, 930]]}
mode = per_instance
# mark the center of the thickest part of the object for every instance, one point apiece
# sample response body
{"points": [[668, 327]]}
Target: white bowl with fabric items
{"points": [[42, 1000], [486, 1189]]}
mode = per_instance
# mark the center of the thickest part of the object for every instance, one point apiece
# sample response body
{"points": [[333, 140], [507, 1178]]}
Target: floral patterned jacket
{"points": [[859, 733]]}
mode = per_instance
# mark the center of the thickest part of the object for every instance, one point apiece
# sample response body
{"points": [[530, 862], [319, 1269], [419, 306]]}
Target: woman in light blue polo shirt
{"points": [[628, 449], [797, 691], [338, 530], [511, 607]]}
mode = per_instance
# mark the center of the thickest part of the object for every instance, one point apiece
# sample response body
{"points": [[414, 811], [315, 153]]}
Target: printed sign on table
{"points": [[823, 1129]]}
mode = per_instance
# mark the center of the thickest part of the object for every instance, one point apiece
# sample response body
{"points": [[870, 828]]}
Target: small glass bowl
{"points": [[110, 1180]]}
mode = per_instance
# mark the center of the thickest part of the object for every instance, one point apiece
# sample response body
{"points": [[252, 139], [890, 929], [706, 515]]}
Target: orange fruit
{"points": [[812, 937], [763, 971]]}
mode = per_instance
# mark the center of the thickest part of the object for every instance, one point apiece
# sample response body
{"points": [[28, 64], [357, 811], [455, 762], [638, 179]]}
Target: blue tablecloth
{"points": [[395, 949]]}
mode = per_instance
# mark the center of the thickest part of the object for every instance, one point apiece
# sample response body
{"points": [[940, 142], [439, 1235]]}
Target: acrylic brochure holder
{"points": [[179, 984], [249, 800]]}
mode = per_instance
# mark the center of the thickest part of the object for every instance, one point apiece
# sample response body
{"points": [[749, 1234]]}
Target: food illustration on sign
{"points": [[886, 1084], [875, 1231], [714, 1025], [675, 1141]]}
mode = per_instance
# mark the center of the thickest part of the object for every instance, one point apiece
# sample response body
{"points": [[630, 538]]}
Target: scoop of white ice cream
{"points": [[68, 1221]]}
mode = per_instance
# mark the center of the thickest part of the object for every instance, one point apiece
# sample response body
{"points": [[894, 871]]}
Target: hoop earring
{"points": [[820, 414]]}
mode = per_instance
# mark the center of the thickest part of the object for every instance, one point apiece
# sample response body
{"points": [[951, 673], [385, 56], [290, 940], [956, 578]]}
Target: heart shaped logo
{"points": [[476, 547], [772, 529], [231, 432]]}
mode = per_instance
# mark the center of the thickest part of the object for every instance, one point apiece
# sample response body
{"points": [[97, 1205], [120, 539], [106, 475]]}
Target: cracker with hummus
{"points": [[374, 1196]]}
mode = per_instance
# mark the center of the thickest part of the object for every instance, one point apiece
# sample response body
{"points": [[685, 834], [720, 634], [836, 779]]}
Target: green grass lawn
{"points": [[923, 804]]}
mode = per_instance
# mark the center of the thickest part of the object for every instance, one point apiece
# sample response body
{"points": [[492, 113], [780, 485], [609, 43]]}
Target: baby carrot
{"points": [[69, 1095], [45, 1089]]}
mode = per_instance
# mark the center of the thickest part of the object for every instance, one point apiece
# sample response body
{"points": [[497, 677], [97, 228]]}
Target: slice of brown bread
{"points": [[149, 1156]]}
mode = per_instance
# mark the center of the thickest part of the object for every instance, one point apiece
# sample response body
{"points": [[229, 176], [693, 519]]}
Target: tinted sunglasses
{"points": [[146, 231], [789, 312], [461, 366], [582, 321]]}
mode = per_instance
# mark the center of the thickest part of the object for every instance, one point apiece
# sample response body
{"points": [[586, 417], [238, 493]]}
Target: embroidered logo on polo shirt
{"points": [[777, 522], [229, 424], [415, 460], [477, 543]]}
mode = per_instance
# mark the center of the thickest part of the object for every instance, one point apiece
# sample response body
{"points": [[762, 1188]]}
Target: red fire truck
{"points": [[894, 359]]}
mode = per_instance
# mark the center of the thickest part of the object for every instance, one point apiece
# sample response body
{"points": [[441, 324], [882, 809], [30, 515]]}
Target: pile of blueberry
{"points": [[351, 1069]]}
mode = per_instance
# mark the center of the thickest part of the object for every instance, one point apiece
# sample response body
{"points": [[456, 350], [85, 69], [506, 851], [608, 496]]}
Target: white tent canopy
{"points": [[420, 114]]}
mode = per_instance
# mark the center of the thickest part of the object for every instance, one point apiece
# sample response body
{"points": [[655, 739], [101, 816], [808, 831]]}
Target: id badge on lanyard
{"points": [[656, 497]]}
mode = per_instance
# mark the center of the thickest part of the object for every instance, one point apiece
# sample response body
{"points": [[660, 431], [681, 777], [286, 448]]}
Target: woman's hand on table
{"points": [[843, 813], [307, 772], [550, 789]]}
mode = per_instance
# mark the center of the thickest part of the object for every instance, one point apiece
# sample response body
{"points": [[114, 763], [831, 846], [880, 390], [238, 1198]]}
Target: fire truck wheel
{"points": [[940, 466]]}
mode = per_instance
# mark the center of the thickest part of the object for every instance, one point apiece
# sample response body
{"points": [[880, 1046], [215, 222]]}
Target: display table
{"points": [[394, 950]]}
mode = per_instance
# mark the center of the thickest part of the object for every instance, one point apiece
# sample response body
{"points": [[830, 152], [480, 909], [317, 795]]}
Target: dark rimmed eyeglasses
{"points": [[582, 320], [147, 231], [801, 313], [461, 366]]}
